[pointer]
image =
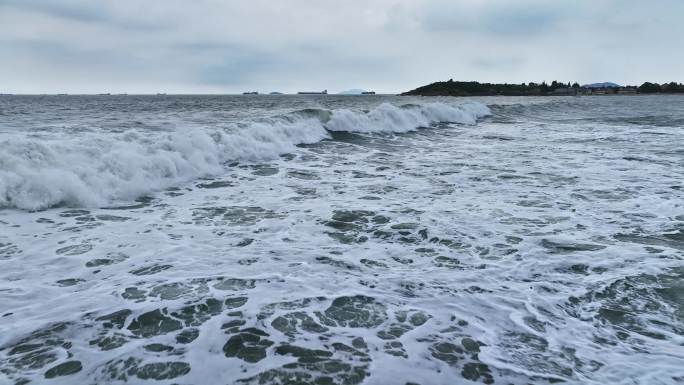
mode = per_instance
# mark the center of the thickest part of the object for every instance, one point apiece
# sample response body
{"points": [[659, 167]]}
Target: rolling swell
{"points": [[99, 168]]}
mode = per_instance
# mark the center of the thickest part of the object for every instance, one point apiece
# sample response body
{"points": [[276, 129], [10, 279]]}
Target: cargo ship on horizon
{"points": [[324, 92]]}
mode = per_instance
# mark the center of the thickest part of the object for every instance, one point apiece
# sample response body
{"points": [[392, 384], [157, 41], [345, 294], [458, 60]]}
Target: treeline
{"points": [[452, 88], [665, 88], [457, 88]]}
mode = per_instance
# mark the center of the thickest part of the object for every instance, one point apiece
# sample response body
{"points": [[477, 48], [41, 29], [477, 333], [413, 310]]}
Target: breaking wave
{"points": [[99, 168]]}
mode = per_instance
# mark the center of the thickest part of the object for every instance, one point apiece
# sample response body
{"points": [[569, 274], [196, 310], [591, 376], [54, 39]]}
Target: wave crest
{"points": [[97, 169], [390, 118]]}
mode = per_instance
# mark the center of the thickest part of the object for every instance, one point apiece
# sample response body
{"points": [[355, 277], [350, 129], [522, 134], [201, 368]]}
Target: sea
{"points": [[327, 239]]}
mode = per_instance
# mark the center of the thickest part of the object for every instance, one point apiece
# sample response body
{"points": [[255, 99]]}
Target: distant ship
{"points": [[324, 92], [161, 93], [368, 93], [250, 93], [276, 93]]}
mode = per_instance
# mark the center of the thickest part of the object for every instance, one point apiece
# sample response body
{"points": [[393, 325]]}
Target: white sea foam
{"points": [[390, 118], [541, 246], [98, 168]]}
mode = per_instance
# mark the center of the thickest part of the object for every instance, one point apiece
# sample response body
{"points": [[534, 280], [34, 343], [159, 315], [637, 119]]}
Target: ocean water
{"points": [[341, 240]]}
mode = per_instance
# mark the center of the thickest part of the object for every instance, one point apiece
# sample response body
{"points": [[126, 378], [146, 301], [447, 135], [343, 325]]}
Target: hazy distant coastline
{"points": [[555, 88]]}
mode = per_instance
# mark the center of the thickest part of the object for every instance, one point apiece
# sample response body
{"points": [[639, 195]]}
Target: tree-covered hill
{"points": [[459, 88]]}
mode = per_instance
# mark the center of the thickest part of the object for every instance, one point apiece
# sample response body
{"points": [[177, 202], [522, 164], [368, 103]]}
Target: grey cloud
{"points": [[237, 67], [86, 11], [63, 55], [75, 10], [388, 45], [522, 18], [522, 21], [506, 63]]}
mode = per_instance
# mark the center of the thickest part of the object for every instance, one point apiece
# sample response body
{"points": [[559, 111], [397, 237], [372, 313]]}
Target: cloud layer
{"points": [[287, 45]]}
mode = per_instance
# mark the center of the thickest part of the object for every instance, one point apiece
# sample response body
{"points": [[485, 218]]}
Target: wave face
{"points": [[94, 169]]}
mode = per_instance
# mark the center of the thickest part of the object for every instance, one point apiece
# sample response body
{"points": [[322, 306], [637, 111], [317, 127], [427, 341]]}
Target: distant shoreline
{"points": [[459, 88]]}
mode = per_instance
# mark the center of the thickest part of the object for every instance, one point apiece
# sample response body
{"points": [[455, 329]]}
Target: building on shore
{"points": [[603, 91], [565, 91], [613, 91], [627, 91]]}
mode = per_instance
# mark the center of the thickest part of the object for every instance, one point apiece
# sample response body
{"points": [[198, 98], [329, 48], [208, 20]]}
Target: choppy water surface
{"points": [[341, 240]]}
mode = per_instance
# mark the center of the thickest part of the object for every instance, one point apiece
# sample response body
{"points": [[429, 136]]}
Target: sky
{"points": [[231, 46]]}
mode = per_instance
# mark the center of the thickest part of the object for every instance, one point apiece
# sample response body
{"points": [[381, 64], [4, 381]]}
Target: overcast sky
{"points": [[230, 46]]}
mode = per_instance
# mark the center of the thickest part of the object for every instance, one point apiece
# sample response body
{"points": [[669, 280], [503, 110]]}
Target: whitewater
{"points": [[93, 168], [341, 240]]}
